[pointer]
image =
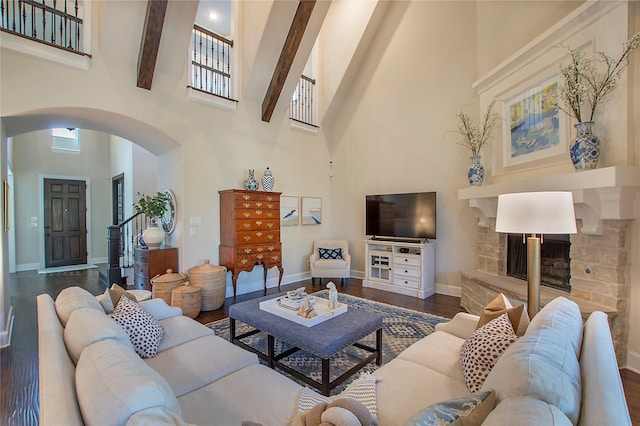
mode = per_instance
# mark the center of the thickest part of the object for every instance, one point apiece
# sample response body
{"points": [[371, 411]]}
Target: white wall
{"points": [[34, 160], [140, 169], [394, 133], [506, 26], [5, 294]]}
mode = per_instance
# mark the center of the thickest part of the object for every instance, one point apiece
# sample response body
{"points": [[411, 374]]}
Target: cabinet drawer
{"points": [[256, 237], [257, 224], [256, 204], [257, 213], [141, 283], [406, 260], [406, 271], [141, 255], [269, 248], [255, 197], [406, 281], [141, 269], [258, 258]]}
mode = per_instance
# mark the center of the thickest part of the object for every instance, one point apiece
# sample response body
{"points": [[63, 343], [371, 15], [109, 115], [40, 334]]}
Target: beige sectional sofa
{"points": [[559, 372]]}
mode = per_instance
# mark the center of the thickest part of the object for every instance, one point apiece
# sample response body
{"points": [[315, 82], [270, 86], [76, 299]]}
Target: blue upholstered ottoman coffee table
{"points": [[323, 340]]}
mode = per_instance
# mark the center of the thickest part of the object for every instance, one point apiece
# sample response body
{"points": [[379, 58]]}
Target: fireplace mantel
{"points": [[606, 193]]}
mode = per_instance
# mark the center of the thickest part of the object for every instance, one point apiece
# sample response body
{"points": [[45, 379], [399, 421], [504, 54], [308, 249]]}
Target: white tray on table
{"points": [[321, 306]]}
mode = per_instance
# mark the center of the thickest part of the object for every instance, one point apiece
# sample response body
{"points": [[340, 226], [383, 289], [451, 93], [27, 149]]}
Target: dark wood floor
{"points": [[19, 361]]}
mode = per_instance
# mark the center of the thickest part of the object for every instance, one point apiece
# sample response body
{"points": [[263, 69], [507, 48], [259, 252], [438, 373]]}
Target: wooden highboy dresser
{"points": [[250, 232]]}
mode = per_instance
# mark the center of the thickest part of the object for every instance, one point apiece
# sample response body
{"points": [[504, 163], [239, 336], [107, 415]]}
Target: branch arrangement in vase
{"points": [[476, 136], [588, 82], [152, 206]]}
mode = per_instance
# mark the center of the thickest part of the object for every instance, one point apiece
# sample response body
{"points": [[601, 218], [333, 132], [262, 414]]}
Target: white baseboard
{"points": [[5, 335], [97, 260], [633, 362], [27, 267], [358, 274], [290, 279], [448, 290]]}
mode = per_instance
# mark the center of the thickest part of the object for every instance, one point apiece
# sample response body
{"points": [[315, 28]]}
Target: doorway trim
{"points": [[41, 242]]}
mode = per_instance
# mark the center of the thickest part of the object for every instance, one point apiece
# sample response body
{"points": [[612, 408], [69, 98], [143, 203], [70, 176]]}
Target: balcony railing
{"points": [[302, 102], [53, 22], [211, 63]]}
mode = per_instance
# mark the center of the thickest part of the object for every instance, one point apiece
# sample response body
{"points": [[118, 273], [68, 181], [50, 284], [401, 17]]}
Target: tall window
{"points": [[65, 140], [211, 62]]}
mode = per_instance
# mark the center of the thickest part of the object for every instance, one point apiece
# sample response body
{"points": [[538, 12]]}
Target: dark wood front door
{"points": [[65, 222]]}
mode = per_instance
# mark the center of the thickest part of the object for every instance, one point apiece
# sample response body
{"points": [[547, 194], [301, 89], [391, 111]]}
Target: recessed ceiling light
{"points": [[213, 16]]}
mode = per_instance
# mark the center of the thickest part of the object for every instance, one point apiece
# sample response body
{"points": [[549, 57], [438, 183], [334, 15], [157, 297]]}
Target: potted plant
{"points": [[153, 207], [586, 84], [475, 137]]}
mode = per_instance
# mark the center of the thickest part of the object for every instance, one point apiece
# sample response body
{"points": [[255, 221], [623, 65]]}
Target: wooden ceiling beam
{"points": [[288, 54], [151, 34]]}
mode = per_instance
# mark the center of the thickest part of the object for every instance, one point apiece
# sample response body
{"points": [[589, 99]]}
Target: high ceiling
{"points": [[215, 15]]}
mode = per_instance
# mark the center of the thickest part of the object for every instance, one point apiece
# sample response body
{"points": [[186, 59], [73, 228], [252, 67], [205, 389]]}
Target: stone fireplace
{"points": [[555, 260], [599, 253]]}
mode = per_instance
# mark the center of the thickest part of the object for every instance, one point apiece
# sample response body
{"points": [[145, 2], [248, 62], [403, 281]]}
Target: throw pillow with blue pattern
{"points": [[464, 411], [326, 253]]}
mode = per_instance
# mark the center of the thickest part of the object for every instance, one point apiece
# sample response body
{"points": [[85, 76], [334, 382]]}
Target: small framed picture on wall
{"points": [[289, 211], [311, 210]]}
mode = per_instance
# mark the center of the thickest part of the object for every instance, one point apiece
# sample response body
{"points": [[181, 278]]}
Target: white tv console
{"points": [[403, 267]]}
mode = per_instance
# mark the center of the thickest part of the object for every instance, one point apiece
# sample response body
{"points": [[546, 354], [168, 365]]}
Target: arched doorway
{"points": [[125, 128]]}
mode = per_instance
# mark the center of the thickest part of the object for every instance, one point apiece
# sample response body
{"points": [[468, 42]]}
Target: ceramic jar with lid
{"points": [[161, 285], [212, 279]]}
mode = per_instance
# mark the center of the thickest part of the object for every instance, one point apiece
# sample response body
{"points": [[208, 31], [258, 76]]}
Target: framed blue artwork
{"points": [[534, 126]]}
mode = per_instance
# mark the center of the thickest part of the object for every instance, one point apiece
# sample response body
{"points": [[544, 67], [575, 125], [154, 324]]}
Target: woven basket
{"points": [[161, 285], [187, 297], [213, 281]]}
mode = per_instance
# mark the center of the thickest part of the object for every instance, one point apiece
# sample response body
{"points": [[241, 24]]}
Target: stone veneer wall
{"points": [[599, 274]]}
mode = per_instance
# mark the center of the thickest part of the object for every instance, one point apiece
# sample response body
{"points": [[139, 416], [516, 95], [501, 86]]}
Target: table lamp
{"points": [[535, 213]]}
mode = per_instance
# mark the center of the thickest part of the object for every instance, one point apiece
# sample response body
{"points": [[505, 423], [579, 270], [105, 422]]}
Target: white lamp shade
{"points": [[536, 213]]}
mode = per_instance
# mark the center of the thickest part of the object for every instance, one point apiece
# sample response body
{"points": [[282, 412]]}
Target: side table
{"points": [[149, 263]]}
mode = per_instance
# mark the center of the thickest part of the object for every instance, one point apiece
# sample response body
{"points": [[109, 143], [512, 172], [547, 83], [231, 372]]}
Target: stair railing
{"points": [[122, 239]]}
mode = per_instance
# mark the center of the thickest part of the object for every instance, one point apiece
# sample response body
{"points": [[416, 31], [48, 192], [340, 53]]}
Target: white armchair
{"points": [[326, 261]]}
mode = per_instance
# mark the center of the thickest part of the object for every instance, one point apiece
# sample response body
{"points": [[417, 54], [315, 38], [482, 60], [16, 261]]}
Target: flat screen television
{"points": [[411, 215]]}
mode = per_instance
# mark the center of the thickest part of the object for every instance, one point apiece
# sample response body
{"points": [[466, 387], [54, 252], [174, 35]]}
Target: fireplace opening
{"points": [[555, 264]]}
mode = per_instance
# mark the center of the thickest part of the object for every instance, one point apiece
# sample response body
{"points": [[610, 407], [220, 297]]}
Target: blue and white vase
{"points": [[268, 180], [476, 171], [585, 148], [251, 184]]}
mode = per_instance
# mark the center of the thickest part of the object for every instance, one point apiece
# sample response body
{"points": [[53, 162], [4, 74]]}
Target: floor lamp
{"points": [[536, 214]]}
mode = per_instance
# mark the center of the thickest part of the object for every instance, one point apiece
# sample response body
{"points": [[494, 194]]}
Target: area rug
{"points": [[401, 328]]}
